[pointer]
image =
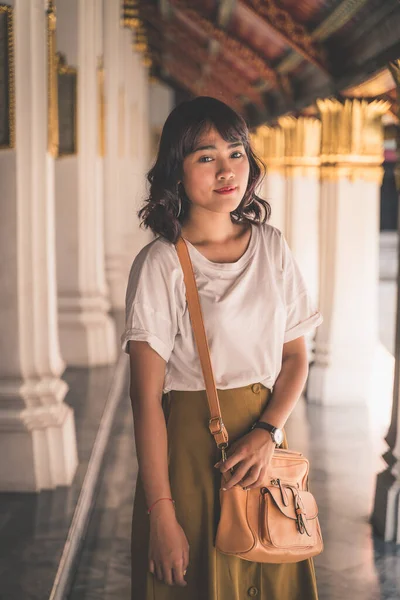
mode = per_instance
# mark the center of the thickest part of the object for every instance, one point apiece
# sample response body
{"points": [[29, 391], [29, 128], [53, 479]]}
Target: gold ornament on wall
{"points": [[7, 86], [52, 83]]}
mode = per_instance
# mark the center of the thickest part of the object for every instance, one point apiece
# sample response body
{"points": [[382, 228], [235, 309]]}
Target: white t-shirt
{"points": [[250, 309]]}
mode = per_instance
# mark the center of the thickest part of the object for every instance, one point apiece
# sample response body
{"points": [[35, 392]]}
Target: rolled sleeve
{"points": [[150, 304]]}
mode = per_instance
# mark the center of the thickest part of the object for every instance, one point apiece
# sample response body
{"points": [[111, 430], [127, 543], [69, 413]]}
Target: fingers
{"points": [[238, 475], [168, 575], [231, 461], [251, 478], [178, 575]]}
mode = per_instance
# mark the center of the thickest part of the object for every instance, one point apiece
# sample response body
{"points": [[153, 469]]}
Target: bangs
{"points": [[194, 133], [203, 114]]}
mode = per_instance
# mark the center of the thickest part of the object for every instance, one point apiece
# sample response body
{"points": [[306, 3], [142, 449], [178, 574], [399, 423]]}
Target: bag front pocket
{"points": [[289, 518]]}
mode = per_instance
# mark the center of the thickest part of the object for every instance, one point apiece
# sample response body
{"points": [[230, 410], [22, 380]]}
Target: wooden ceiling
{"points": [[266, 58]]}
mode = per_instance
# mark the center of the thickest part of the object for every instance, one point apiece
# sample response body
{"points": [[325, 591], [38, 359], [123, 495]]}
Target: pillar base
{"points": [[40, 447], [386, 515], [87, 332]]}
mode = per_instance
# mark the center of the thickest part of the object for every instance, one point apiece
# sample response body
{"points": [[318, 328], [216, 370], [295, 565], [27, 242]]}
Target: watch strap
{"points": [[264, 425]]}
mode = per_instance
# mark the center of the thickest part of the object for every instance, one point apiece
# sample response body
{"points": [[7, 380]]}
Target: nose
{"points": [[225, 171]]}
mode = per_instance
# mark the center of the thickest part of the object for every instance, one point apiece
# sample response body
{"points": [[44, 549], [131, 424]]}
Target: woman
{"points": [[256, 311]]}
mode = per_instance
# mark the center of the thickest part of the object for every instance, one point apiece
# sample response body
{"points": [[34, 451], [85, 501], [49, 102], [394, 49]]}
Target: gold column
{"points": [[386, 513]]}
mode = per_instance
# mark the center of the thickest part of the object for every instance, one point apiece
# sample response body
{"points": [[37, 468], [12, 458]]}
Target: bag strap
{"points": [[216, 425]]}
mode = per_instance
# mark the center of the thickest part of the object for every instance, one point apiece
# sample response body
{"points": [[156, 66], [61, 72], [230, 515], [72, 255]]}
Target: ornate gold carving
{"points": [[4, 8], [295, 34], [269, 144], [52, 83], [302, 137], [101, 108], [352, 138], [130, 14]]}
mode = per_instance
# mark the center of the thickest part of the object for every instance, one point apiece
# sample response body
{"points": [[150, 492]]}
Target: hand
{"points": [[250, 456], [168, 546]]}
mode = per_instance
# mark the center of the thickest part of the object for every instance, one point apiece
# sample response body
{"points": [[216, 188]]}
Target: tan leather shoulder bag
{"points": [[275, 523]]}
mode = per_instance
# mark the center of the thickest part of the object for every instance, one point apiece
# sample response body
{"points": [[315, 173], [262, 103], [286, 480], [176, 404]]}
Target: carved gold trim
{"points": [[4, 8], [352, 131], [52, 92], [302, 142], [101, 108], [269, 143]]}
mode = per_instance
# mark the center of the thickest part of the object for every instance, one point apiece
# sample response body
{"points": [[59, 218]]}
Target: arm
{"points": [[168, 547], [289, 384], [251, 455]]}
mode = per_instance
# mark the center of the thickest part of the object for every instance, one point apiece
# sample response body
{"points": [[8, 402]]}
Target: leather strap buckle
{"points": [[213, 422]]}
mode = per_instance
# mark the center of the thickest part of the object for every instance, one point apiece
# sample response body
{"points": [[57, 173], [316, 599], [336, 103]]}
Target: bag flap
{"points": [[306, 500]]}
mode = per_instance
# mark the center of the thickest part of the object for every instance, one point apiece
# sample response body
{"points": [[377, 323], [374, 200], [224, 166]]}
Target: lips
{"points": [[227, 189]]}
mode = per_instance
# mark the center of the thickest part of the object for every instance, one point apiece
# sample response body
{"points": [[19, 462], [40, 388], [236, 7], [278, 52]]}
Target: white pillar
{"points": [[270, 144], [386, 512], [114, 183], [346, 342], [87, 332], [302, 190], [37, 433]]}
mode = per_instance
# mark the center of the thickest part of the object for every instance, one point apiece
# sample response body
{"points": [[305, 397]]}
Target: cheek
{"points": [[198, 179]]}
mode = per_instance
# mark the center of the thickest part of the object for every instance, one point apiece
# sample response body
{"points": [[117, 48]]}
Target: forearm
{"points": [[152, 450], [287, 390]]}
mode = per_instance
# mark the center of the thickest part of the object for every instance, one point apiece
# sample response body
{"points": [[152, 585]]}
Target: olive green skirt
{"points": [[195, 485]]}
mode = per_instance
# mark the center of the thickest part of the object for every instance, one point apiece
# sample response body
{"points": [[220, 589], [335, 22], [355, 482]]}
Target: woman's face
{"points": [[213, 165]]}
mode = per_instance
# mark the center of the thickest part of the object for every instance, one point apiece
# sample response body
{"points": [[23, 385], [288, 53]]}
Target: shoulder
{"points": [[158, 255], [271, 234], [274, 242]]}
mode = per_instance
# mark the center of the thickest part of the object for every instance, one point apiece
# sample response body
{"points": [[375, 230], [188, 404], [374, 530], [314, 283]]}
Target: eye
{"points": [[204, 158], [237, 152]]}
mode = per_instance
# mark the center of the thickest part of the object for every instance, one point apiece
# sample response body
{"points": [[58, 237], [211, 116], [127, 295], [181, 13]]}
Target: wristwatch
{"points": [[276, 433]]}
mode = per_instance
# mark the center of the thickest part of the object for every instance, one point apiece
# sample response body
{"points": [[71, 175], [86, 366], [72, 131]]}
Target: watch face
{"points": [[278, 436]]}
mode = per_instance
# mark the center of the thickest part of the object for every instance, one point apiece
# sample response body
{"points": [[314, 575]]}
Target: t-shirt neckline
{"points": [[199, 258]]}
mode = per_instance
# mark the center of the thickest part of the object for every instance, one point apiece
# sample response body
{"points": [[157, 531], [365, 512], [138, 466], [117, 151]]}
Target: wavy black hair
{"points": [[181, 132]]}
